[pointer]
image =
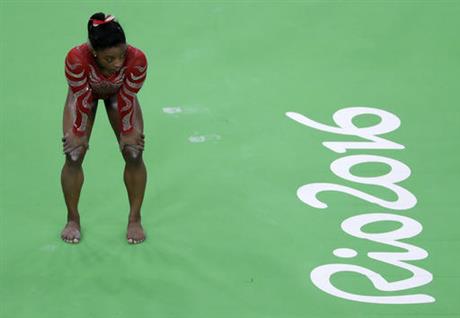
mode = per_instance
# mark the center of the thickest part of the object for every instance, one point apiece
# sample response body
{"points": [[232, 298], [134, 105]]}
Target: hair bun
{"points": [[98, 16], [104, 31]]}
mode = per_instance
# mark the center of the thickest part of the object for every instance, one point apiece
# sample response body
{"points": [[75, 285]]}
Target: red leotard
{"points": [[88, 84]]}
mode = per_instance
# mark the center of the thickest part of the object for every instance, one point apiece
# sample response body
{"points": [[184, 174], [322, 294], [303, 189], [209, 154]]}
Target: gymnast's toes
{"points": [[71, 232]]}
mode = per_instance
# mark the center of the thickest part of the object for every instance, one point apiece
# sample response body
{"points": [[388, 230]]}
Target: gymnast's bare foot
{"points": [[71, 232], [135, 233]]}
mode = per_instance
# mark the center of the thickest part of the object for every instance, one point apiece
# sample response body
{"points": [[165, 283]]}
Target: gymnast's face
{"points": [[111, 59]]}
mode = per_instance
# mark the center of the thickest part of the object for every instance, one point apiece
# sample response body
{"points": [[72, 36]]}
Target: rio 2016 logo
{"points": [[321, 275]]}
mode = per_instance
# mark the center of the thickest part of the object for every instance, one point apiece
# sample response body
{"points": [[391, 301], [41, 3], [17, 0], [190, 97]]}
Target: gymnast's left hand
{"points": [[134, 138]]}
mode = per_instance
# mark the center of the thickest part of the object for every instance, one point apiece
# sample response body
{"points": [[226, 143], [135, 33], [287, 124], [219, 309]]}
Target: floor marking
{"points": [[204, 138], [345, 252], [183, 110], [172, 110]]}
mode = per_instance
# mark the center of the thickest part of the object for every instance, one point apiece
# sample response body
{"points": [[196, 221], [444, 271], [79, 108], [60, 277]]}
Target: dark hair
{"points": [[105, 35]]}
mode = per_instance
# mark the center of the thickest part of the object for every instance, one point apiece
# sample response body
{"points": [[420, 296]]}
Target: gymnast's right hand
{"points": [[72, 141]]}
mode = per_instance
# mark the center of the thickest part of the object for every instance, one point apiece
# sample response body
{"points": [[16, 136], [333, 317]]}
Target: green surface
{"points": [[227, 235]]}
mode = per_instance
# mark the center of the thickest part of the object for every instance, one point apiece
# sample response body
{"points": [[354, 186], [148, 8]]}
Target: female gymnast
{"points": [[106, 68]]}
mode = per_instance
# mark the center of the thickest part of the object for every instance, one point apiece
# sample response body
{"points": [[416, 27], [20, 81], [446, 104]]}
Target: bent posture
{"points": [[105, 68]]}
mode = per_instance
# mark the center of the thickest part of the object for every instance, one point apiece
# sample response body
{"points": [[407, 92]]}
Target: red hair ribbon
{"points": [[99, 22]]}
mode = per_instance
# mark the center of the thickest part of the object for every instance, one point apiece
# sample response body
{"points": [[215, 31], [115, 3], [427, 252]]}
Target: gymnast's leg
{"points": [[72, 173], [135, 173]]}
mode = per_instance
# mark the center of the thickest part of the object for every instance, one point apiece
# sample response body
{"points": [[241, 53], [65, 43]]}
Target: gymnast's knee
{"points": [[76, 156], [132, 155]]}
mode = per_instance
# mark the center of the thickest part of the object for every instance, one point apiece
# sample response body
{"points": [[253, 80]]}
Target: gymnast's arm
{"points": [[77, 78], [136, 73]]}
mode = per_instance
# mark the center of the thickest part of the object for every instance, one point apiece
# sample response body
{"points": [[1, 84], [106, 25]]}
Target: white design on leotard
{"points": [[133, 85], [93, 76], [136, 78], [128, 92], [141, 68], [76, 83], [68, 69], [127, 101]]}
